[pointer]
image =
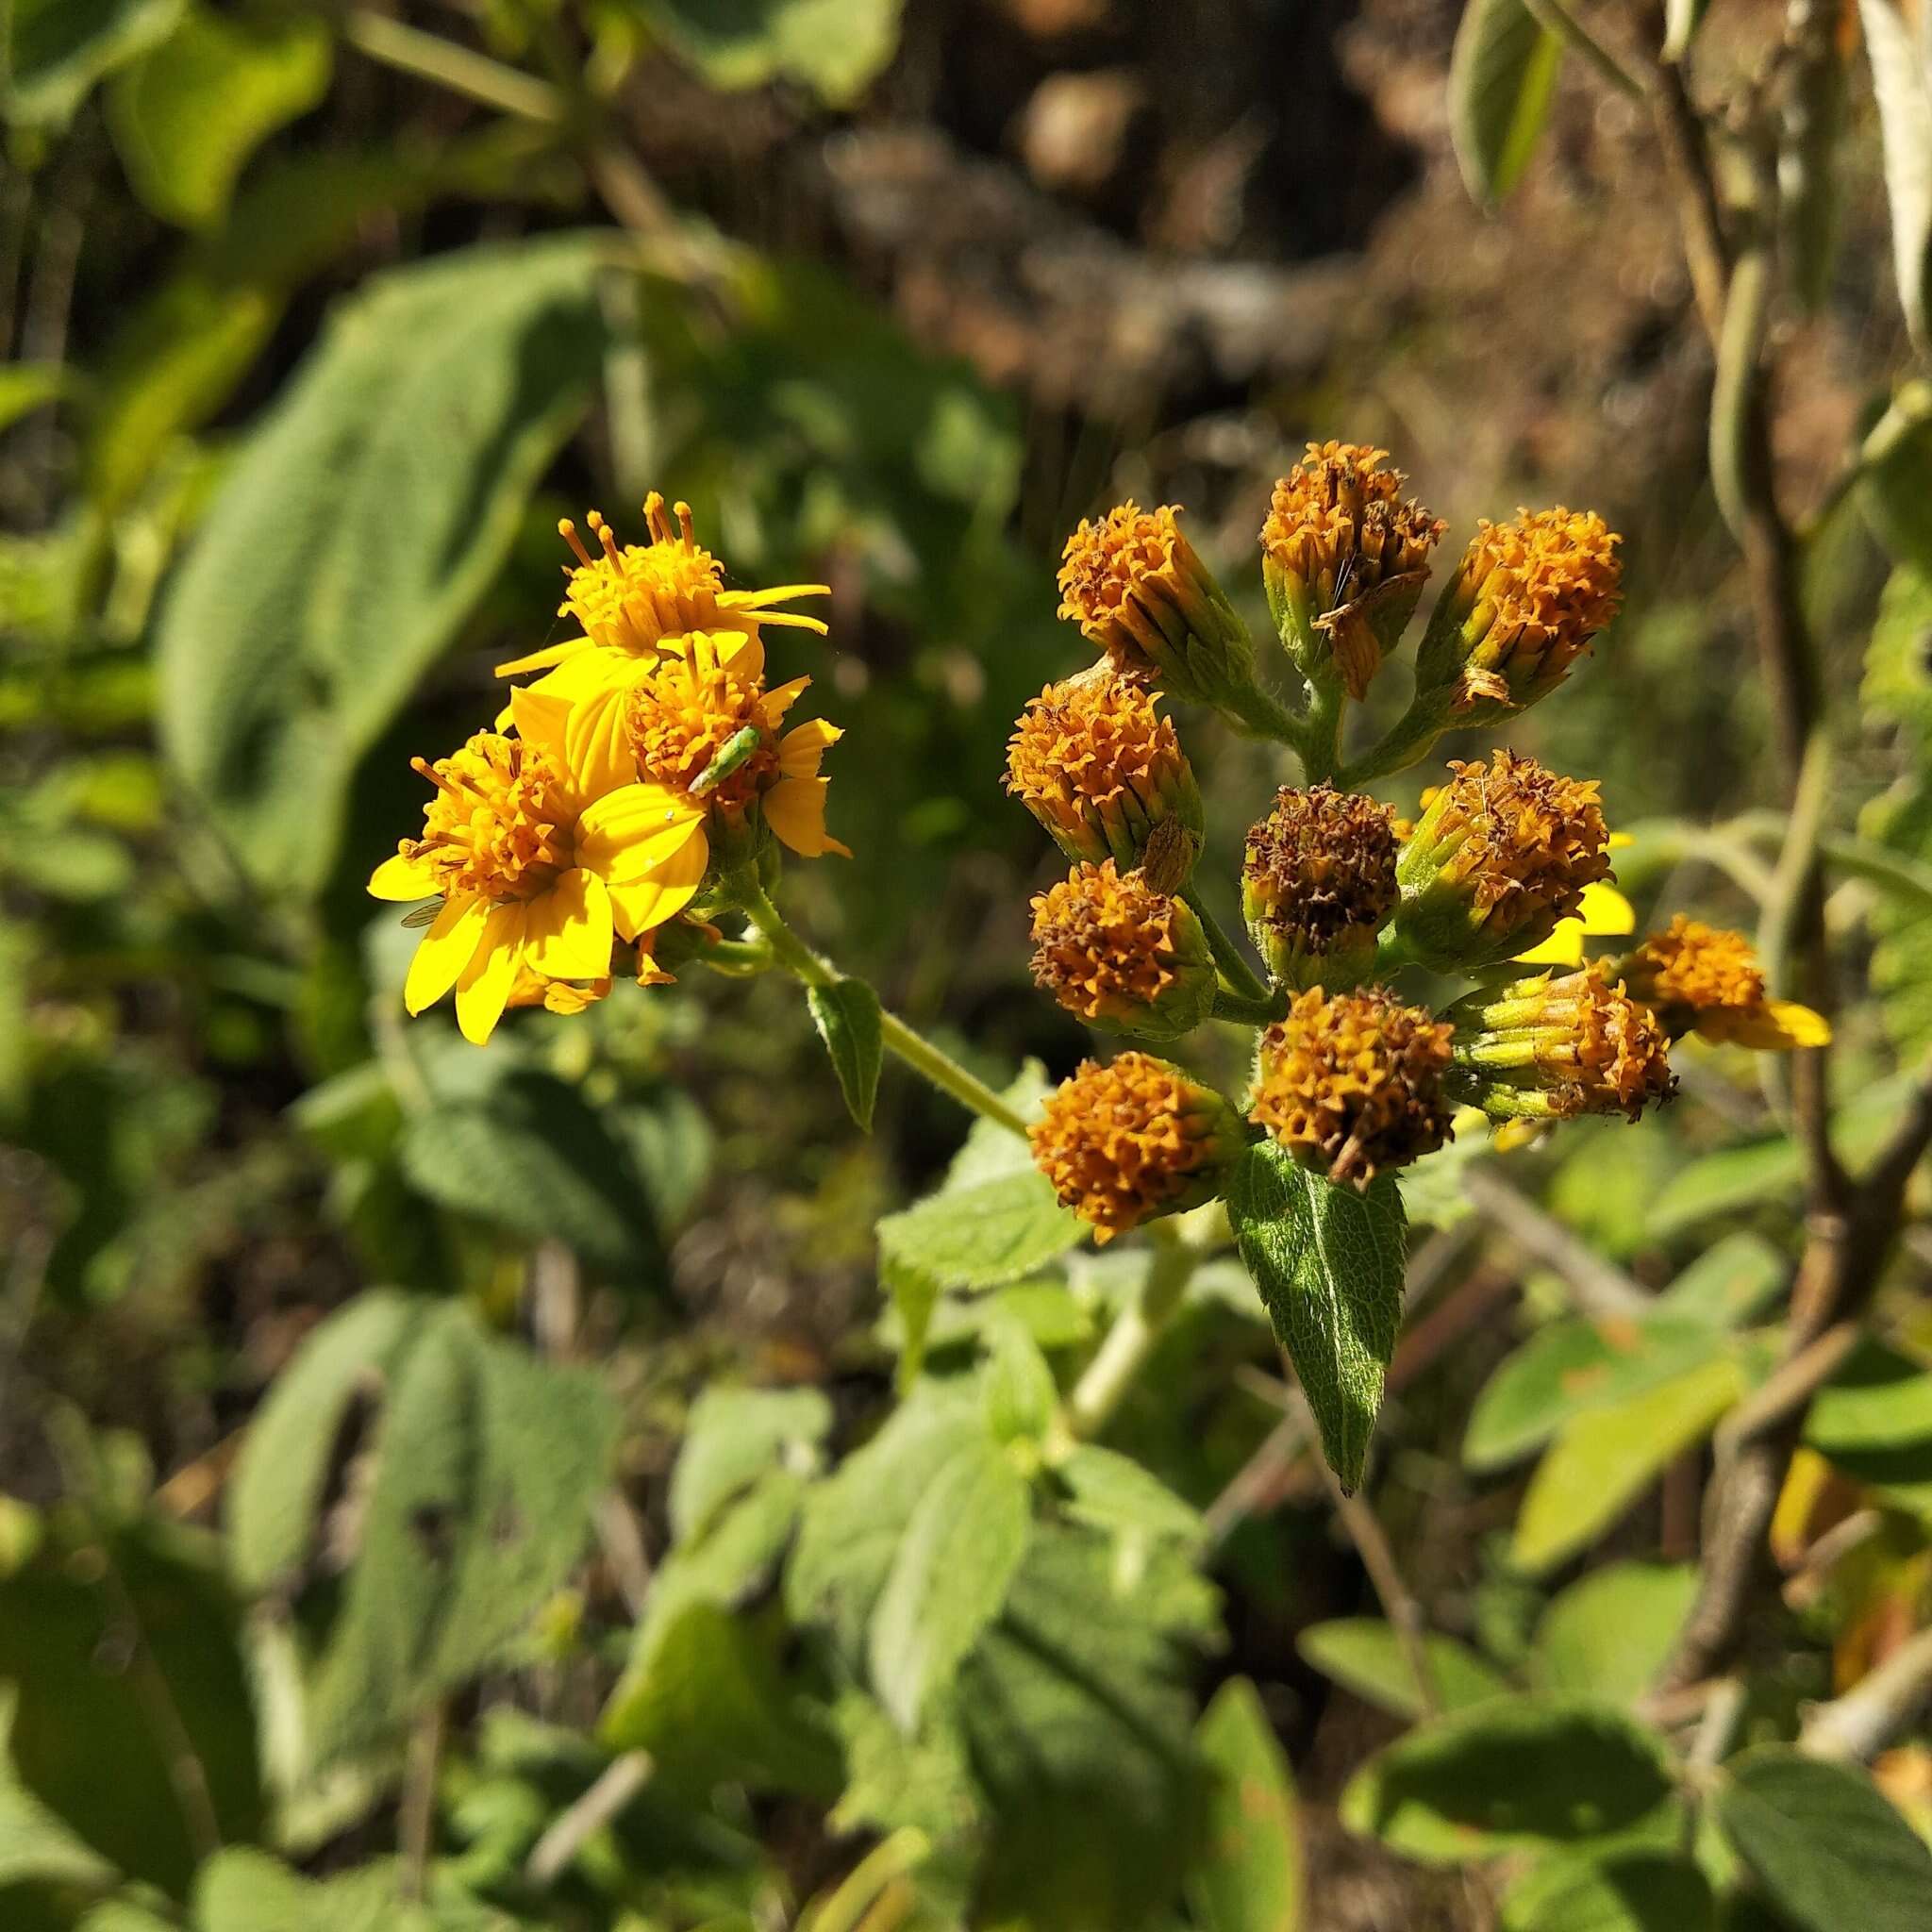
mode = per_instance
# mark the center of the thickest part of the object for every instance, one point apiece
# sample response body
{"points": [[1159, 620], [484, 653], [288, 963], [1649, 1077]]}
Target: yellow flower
{"points": [[1351, 1085], [628, 600], [696, 719], [1318, 879], [535, 875], [1138, 1138], [1123, 956], [1704, 979]]}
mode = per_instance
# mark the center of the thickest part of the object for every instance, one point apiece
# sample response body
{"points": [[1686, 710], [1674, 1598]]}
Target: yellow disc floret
{"points": [[1338, 524], [1352, 1084], [1112, 949], [1707, 978], [501, 823]]}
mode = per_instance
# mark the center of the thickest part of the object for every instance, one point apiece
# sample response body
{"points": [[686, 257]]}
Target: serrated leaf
{"points": [[1114, 1492], [1570, 1367], [1603, 1461], [1515, 1773], [732, 1437], [487, 1465], [186, 116], [847, 1016], [1899, 42], [950, 1574], [1248, 1876], [1365, 1653], [836, 46], [310, 604], [1628, 1891], [1609, 1634], [1827, 1849], [531, 1155], [56, 50], [983, 1235], [1021, 1397], [1329, 1263], [1502, 77]]}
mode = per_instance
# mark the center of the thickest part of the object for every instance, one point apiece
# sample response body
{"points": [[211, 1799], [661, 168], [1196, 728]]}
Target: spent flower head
{"points": [[1524, 604], [1351, 1083], [1556, 1045], [1318, 881], [1100, 769], [1501, 855], [1344, 558], [1135, 1139], [1122, 954], [1133, 585], [1707, 979]]}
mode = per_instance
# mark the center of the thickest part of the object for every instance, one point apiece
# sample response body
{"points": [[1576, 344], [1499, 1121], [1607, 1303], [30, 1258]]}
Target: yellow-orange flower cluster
{"points": [[1131, 1139], [1352, 1083], [1112, 949], [1707, 979], [1097, 765]]}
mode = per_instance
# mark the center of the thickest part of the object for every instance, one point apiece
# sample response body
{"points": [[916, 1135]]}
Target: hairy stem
{"points": [[1236, 973], [1128, 1344]]}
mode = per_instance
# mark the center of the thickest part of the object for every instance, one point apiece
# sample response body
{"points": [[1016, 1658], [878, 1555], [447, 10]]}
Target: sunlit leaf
{"points": [[1502, 77], [1365, 1653], [1248, 1877]]}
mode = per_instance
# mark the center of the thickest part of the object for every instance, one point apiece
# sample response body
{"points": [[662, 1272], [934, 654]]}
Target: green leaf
{"points": [[1114, 1492], [356, 530], [1078, 1715], [1732, 1282], [101, 1623], [1502, 75], [1873, 1421], [56, 50], [1021, 1397], [1631, 1892], [1516, 1772], [1603, 1461], [1895, 478], [963, 1542], [532, 1156], [1248, 1876], [1569, 1368], [1365, 1654], [734, 1435], [488, 1463], [1329, 1263], [982, 1236], [186, 116], [1609, 1634], [847, 1016], [35, 1844], [1899, 41], [25, 386], [853, 1522], [836, 46], [1827, 1849]]}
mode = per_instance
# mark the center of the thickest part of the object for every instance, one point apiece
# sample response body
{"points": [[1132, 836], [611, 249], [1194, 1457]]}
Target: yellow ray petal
{"points": [[795, 810], [1564, 947], [540, 719], [549, 656], [568, 934], [1510, 1135], [1775, 1027], [1800, 1024], [637, 905], [447, 947], [635, 828], [1605, 913], [483, 992], [597, 749], [800, 748], [781, 697], [402, 877]]}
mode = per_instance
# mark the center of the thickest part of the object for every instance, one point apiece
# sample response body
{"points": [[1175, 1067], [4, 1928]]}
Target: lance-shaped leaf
{"points": [[1899, 41], [847, 1016], [1502, 75]]}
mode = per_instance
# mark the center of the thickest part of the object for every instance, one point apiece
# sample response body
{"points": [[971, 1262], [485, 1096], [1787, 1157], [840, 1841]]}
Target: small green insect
{"points": [[731, 754]]}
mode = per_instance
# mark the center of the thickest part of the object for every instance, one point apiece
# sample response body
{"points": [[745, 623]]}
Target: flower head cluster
{"points": [[1552, 1047], [1524, 604], [1352, 1083], [1132, 1140], [1501, 855], [1344, 558], [1125, 957], [650, 754], [1318, 883], [1704, 979], [1100, 769]]}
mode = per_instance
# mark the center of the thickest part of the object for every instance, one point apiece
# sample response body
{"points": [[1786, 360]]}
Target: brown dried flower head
{"points": [[1352, 1083], [1317, 883], [1135, 586], [1500, 856], [1132, 1140], [1120, 954], [1095, 762], [1554, 1046], [1526, 600]]}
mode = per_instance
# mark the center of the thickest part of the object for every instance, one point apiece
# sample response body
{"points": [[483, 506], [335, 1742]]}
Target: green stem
{"points": [[1246, 1012], [920, 1054], [461, 70], [1234, 971], [1408, 742], [1131, 1339], [1321, 738], [1261, 715]]}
